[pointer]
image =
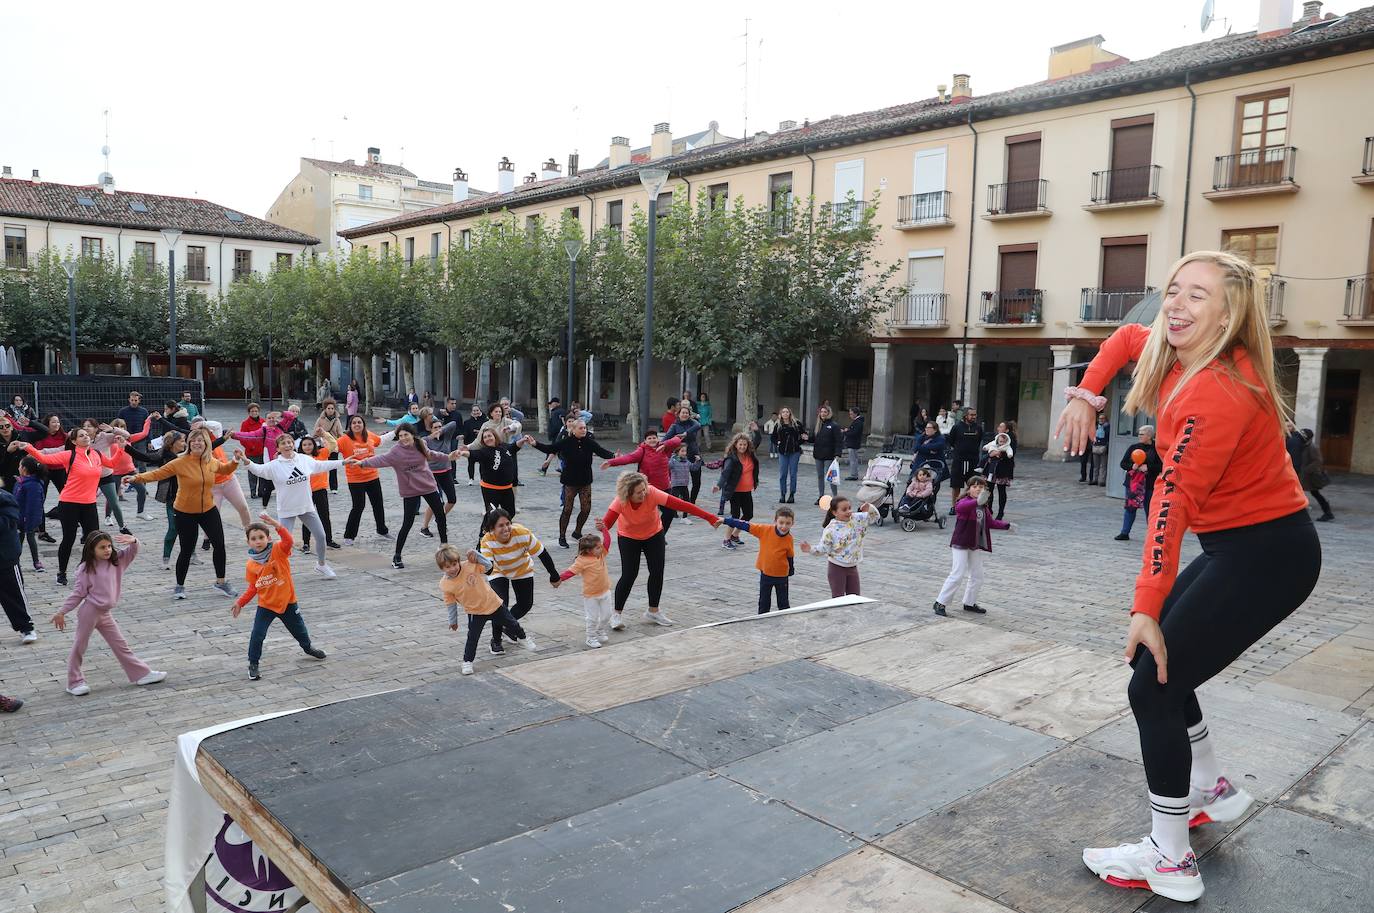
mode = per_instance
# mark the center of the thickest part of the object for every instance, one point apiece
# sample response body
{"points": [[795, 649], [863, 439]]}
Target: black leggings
{"points": [[1245, 582], [498, 497], [652, 549], [361, 493], [524, 601], [1001, 499], [1321, 501], [583, 493], [188, 527], [742, 507], [696, 483], [321, 499], [73, 516], [412, 507]]}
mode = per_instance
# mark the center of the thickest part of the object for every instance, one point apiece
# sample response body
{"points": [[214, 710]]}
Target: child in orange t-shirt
{"points": [[597, 602], [268, 573], [775, 556], [465, 584]]}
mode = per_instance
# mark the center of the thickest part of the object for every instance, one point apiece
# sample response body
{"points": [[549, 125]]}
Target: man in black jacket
{"points": [[825, 446], [853, 440], [966, 439], [134, 414]]}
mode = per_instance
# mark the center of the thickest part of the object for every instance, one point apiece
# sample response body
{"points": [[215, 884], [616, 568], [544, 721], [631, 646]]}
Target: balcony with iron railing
{"points": [[1359, 301], [1022, 307], [923, 210], [18, 259], [1108, 306], [1274, 292], [1121, 188], [780, 221], [368, 200], [1017, 200], [921, 310], [1254, 171], [1366, 175], [196, 274], [845, 214]]}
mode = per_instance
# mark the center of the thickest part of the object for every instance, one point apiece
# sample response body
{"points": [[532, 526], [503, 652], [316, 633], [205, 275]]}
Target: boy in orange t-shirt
{"points": [[465, 584], [775, 556], [268, 573], [597, 603]]}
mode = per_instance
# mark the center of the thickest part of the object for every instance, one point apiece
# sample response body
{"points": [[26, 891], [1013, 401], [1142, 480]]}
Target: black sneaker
{"points": [[124, 531], [951, 511], [44, 537], [332, 544], [315, 652], [426, 531], [253, 674], [497, 649], [204, 546], [976, 609], [1325, 517], [563, 542], [61, 579], [397, 563], [1122, 537], [940, 609]]}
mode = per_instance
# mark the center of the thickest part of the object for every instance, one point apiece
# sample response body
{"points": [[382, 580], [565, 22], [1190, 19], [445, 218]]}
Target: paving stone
{"points": [[1065, 692], [717, 723], [1265, 745], [1341, 789], [700, 845], [869, 880], [871, 776]]}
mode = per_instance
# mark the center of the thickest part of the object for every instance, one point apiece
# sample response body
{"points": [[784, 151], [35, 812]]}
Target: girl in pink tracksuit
{"points": [[95, 591]]}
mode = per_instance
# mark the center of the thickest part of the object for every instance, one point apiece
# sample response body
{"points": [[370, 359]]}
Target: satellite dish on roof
{"points": [[1208, 13]]}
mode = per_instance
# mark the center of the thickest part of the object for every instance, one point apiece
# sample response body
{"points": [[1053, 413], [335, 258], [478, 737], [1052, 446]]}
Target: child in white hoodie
{"points": [[290, 474]]}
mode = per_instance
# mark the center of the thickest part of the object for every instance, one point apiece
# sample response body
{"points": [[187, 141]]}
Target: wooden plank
{"points": [[1342, 788], [934, 656], [1063, 692], [598, 679], [268, 835], [871, 881]]}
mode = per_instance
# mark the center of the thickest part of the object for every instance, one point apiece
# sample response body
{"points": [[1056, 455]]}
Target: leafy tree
{"points": [[610, 301]]}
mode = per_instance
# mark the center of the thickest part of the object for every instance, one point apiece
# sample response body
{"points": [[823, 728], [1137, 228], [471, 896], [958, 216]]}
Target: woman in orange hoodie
{"points": [[1205, 368]]}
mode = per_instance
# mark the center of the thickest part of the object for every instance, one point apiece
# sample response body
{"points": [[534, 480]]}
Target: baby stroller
{"points": [[912, 510], [879, 483]]}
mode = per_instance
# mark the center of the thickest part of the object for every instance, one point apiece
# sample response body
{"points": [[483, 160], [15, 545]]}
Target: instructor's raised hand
{"points": [[1077, 426]]}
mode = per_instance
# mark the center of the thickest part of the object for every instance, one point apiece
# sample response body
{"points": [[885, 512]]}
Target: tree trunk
{"points": [[407, 373], [369, 391], [749, 402], [250, 377], [541, 384], [632, 420]]}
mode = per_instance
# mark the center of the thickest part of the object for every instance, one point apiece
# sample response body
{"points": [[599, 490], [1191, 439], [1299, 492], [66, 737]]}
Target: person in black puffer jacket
{"points": [[575, 449], [825, 446], [966, 439], [853, 440]]}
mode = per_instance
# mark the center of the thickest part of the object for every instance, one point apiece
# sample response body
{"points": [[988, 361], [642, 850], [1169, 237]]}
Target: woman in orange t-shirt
{"points": [[1205, 369], [364, 485], [640, 534]]}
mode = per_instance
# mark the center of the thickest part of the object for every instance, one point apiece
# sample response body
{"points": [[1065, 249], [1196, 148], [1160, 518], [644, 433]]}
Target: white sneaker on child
{"points": [[604, 638], [593, 643], [467, 668]]}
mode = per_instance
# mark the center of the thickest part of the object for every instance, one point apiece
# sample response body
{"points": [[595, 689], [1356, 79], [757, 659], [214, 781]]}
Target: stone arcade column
{"points": [[455, 374], [966, 374], [884, 382], [484, 383], [1311, 393]]}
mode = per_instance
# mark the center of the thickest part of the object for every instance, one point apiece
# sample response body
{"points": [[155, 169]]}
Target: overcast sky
{"points": [[220, 100]]}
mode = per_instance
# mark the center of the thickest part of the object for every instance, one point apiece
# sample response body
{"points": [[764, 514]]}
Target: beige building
{"points": [[1029, 222], [327, 197]]}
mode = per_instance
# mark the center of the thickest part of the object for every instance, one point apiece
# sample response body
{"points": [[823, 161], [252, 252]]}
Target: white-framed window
{"points": [[364, 191]]}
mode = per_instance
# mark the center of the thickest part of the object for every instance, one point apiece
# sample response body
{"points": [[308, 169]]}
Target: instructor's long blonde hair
{"points": [[1246, 324]]}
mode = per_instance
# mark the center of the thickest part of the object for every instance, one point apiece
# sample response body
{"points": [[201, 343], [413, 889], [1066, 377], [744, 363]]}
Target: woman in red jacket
{"points": [[76, 505], [1205, 368]]}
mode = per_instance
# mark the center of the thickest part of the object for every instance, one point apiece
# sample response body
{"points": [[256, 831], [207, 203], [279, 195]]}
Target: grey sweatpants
{"points": [[312, 521]]}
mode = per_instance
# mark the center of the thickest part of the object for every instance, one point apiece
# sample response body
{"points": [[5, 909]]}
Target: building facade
{"points": [[1029, 222]]}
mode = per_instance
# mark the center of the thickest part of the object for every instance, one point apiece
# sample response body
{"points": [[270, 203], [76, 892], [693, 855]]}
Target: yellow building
{"points": [[1030, 221]]}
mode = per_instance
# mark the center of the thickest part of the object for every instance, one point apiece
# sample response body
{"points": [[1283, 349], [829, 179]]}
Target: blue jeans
{"points": [[787, 473], [263, 620]]}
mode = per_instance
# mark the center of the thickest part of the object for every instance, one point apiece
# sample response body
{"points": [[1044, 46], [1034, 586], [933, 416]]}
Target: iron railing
{"points": [[1126, 185], [196, 274], [1273, 297], [1103, 305], [17, 260], [846, 213], [923, 207], [921, 309], [1022, 305], [1267, 167], [1368, 166], [780, 221], [1359, 298], [1017, 196]]}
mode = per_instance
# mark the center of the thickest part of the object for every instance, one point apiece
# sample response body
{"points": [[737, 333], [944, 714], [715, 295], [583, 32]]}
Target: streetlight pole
{"points": [[171, 236], [653, 180], [69, 267], [573, 246]]}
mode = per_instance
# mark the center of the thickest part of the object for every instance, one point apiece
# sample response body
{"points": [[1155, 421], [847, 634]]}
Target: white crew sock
{"points": [[1170, 825], [1206, 771]]}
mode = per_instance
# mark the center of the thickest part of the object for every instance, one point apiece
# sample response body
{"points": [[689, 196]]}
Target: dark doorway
{"points": [[1338, 418]]}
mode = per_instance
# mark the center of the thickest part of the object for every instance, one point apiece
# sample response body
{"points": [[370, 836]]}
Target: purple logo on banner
{"points": [[239, 877]]}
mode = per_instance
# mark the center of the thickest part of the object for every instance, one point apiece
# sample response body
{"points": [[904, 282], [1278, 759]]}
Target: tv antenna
{"points": [[1209, 16], [746, 79]]}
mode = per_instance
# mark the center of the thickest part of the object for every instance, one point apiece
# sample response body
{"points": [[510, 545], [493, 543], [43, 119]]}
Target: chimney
{"points": [[374, 155], [7, 173], [1275, 18], [505, 175], [940, 91], [550, 170], [661, 144], [961, 91], [572, 165], [786, 125], [460, 185], [1311, 12], [620, 151], [530, 178], [36, 179]]}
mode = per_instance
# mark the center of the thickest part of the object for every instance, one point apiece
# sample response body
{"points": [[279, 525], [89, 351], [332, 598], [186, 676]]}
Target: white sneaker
{"points": [[144, 516], [658, 618], [325, 571], [385, 535], [685, 522], [467, 668], [179, 593], [30, 637], [593, 643], [110, 520], [528, 643], [618, 623], [1222, 804], [152, 678], [469, 481], [166, 564], [348, 542], [80, 690], [1142, 865], [226, 590], [604, 638]]}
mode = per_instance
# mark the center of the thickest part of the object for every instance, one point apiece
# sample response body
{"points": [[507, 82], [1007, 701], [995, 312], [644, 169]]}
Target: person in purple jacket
{"points": [[412, 461], [970, 545]]}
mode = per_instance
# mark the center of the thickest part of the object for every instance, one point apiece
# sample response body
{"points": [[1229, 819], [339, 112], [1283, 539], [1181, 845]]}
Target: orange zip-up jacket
{"points": [[271, 581], [195, 480], [1225, 465]]}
